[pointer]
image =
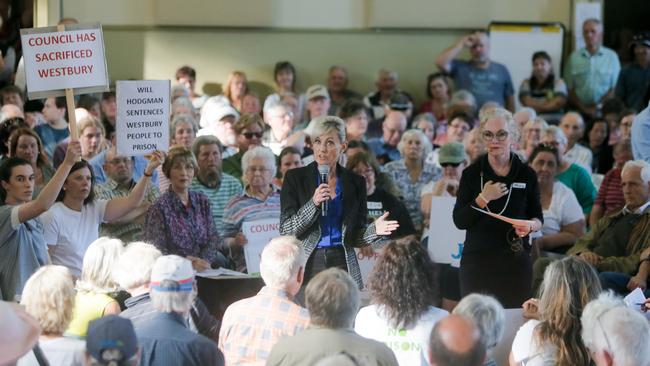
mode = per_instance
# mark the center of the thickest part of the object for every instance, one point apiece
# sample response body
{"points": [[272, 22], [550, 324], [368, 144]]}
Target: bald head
{"points": [[393, 127], [455, 341]]}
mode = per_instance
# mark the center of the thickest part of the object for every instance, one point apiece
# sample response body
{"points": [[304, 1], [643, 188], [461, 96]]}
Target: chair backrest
{"points": [[514, 320]]}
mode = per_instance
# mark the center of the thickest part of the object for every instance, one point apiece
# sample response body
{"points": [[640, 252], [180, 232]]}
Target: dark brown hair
{"points": [[13, 144], [80, 165], [403, 282]]}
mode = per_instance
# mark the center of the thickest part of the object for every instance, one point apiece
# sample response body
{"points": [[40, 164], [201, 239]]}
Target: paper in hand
{"points": [[516, 222]]}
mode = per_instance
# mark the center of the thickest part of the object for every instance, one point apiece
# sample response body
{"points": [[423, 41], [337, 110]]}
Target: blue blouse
{"points": [[332, 224]]}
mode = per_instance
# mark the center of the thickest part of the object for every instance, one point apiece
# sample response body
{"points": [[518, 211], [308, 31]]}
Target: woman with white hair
{"points": [[496, 255], [259, 201], [571, 174], [532, 136], [49, 297], [412, 172], [95, 284], [313, 200], [488, 315]]}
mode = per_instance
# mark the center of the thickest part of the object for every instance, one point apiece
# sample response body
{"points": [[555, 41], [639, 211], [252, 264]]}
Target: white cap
{"points": [[172, 268]]}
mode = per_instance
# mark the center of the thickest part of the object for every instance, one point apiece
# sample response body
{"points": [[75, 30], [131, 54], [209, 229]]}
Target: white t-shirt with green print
{"points": [[409, 345]]}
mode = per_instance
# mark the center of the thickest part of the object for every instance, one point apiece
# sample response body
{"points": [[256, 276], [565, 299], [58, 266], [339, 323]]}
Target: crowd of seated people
{"points": [[62, 199]]}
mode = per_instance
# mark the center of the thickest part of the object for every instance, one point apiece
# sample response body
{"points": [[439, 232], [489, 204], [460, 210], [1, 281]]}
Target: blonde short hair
{"points": [[97, 268], [49, 296], [504, 114]]}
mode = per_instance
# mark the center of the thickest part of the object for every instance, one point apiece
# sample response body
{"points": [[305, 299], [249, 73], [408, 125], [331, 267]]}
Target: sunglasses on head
{"points": [[453, 165], [250, 135]]}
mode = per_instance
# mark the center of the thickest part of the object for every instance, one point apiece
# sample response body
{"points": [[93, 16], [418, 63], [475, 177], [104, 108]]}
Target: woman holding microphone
{"points": [[324, 205], [496, 255]]}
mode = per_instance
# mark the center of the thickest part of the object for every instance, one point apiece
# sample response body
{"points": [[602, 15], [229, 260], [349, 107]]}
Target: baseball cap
{"points": [[224, 111], [399, 102], [172, 268], [317, 91], [641, 39], [111, 339], [452, 152]]}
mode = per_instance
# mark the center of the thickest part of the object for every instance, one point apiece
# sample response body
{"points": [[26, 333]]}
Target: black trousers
{"points": [[506, 276], [324, 258], [320, 260]]}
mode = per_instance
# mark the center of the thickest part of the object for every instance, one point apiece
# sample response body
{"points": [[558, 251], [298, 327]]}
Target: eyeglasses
{"points": [[250, 135], [501, 135], [365, 173], [453, 165], [602, 328]]}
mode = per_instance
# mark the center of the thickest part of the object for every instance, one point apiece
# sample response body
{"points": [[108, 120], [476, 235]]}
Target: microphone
{"points": [[324, 171]]}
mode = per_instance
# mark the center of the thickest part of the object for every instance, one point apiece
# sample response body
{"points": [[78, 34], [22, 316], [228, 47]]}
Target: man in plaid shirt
{"points": [[251, 327]]}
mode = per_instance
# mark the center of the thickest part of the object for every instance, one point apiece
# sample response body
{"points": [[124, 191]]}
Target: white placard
{"points": [[142, 123], [258, 233], [445, 240], [59, 60]]}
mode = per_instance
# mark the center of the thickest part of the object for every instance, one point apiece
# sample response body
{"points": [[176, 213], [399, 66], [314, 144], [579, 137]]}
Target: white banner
{"points": [[445, 240], [142, 123], [258, 233], [58, 60]]}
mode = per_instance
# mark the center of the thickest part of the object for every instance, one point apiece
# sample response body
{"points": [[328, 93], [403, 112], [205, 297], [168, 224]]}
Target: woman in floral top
{"points": [[180, 221], [412, 172]]}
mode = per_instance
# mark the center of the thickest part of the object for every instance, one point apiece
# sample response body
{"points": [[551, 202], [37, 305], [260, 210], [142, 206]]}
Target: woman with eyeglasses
{"points": [[259, 201], [564, 222], [324, 206], [380, 201], [248, 130], [496, 255]]}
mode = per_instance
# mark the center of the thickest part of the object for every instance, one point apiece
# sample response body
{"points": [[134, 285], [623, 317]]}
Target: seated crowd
{"points": [[101, 250]]}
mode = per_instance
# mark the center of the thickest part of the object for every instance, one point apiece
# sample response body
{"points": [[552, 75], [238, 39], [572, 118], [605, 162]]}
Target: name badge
{"points": [[519, 185], [374, 206]]}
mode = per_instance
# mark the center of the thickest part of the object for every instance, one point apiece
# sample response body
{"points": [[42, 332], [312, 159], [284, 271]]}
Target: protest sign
{"points": [[445, 240], [142, 123], [65, 57], [258, 233]]}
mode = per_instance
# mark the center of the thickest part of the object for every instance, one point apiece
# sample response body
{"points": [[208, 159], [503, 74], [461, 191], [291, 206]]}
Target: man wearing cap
{"points": [[217, 119], [591, 71], [634, 79], [111, 341], [318, 103], [165, 339], [252, 326], [337, 86], [385, 147], [487, 80]]}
